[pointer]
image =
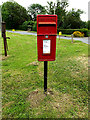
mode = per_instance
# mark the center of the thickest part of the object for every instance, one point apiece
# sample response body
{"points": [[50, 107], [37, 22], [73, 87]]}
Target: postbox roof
{"points": [[47, 15]]}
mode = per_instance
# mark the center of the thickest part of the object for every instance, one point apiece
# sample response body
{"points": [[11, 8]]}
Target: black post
{"points": [[45, 76], [5, 45], [4, 37]]}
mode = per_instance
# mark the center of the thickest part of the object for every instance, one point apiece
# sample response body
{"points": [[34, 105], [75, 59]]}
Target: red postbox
{"points": [[46, 37]]}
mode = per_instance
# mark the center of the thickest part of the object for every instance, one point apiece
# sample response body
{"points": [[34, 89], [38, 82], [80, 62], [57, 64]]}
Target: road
{"points": [[84, 40]]}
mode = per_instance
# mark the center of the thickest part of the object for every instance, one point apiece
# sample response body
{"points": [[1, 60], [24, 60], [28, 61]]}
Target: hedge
{"points": [[88, 33], [70, 31]]}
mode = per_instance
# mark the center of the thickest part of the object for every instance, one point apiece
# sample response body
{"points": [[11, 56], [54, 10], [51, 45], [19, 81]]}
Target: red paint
{"points": [[46, 25]]}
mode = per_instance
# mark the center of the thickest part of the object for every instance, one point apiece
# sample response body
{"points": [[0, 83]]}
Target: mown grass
{"points": [[22, 80], [0, 77]]}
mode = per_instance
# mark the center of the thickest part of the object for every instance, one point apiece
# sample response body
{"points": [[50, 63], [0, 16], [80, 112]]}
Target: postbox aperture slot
{"points": [[46, 25], [46, 47]]}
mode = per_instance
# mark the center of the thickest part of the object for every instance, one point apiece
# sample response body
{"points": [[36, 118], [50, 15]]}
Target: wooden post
{"points": [[60, 33], [59, 37], [72, 37], [5, 45], [4, 37]]}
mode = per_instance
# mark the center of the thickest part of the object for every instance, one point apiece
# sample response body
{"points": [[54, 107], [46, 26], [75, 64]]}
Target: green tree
{"points": [[50, 8], [59, 8], [13, 14], [72, 19], [88, 24], [61, 12], [83, 24], [35, 9]]}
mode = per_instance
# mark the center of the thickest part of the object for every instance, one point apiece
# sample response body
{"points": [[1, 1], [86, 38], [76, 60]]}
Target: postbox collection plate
{"points": [[46, 46], [46, 37]]}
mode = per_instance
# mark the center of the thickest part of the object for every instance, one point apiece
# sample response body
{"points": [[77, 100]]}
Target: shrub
{"points": [[27, 25], [34, 28], [78, 34], [70, 31], [24, 26]]}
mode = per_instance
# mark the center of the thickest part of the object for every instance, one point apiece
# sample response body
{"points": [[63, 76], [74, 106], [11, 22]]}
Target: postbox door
{"points": [[46, 48]]}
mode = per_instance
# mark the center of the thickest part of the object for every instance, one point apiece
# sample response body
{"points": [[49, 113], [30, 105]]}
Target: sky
{"points": [[77, 4]]}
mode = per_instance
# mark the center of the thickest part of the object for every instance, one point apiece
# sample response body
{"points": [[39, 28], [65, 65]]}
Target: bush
{"points": [[78, 34], [13, 14], [70, 31], [24, 26], [34, 28], [27, 25]]}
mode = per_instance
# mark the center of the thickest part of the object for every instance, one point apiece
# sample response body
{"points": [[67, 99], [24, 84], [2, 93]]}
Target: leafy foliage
{"points": [[34, 28], [72, 19], [27, 25], [66, 20], [60, 10], [13, 14], [50, 8], [35, 9], [88, 24]]}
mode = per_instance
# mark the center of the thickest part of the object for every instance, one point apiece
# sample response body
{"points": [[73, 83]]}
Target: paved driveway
{"points": [[84, 40]]}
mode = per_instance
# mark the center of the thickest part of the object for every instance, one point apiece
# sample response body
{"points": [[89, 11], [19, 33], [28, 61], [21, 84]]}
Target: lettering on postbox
{"points": [[46, 37]]}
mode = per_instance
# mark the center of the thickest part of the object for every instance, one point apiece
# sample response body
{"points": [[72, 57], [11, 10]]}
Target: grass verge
{"points": [[22, 80]]}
